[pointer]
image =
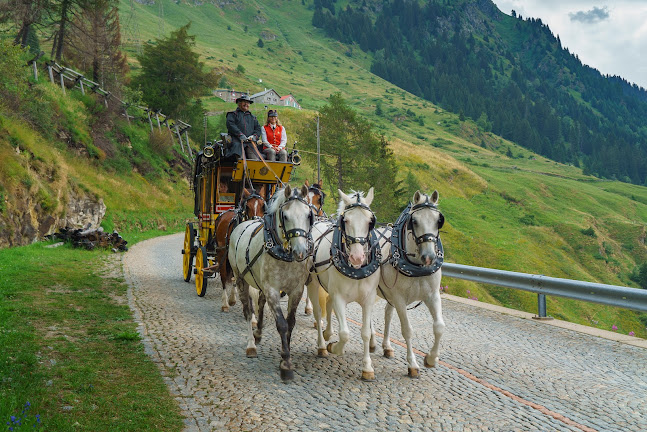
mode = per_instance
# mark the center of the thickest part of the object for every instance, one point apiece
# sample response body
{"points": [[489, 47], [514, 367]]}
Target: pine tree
{"points": [[366, 159], [172, 75], [94, 43]]}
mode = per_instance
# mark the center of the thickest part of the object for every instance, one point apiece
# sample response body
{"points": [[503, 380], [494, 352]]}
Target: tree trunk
{"points": [[65, 6]]}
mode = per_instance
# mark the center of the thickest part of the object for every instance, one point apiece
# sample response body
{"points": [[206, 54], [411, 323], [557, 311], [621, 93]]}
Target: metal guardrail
{"points": [[610, 295]]}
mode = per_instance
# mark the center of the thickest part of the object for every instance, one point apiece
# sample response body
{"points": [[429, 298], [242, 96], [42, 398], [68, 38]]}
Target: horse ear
{"points": [[288, 191], [344, 197], [304, 191], [369, 196], [307, 183], [261, 192], [416, 197], [320, 183], [434, 197]]}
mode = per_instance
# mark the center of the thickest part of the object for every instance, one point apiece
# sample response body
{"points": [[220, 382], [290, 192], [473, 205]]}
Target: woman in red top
{"points": [[274, 138]]}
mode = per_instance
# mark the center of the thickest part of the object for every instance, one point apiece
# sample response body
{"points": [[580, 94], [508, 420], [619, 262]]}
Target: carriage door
{"points": [[226, 193]]}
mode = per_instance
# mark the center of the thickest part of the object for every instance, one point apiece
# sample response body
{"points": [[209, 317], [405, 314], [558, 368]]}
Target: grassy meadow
{"points": [[72, 357]]}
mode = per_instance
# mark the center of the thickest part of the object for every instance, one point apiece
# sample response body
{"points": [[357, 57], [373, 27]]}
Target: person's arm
{"points": [[284, 139], [257, 128], [264, 137], [232, 127]]}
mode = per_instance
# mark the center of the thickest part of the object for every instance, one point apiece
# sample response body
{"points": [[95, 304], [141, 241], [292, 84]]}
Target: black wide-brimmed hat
{"points": [[245, 98], [272, 113]]}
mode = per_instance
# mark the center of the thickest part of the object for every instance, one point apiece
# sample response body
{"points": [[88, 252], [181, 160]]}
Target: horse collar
{"points": [[341, 263]]}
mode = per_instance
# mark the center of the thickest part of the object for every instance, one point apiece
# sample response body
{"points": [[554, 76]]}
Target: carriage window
{"points": [[226, 192]]}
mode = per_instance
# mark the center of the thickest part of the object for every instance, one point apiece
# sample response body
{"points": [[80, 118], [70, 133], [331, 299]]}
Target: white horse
{"points": [[342, 266], [412, 273], [270, 255]]}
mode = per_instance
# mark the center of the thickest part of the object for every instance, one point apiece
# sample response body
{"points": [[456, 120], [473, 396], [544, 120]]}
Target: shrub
{"points": [[161, 143], [589, 232]]}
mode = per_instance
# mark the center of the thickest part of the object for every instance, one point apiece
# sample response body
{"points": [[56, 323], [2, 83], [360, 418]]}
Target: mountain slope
{"points": [[506, 207], [511, 74]]}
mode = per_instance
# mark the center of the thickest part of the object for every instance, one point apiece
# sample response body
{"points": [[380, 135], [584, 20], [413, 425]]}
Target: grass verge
{"points": [[71, 354]]}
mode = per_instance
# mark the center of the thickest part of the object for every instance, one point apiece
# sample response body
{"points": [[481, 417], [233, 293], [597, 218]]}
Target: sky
{"points": [[608, 35]]}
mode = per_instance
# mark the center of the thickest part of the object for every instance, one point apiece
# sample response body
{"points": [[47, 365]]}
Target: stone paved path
{"points": [[497, 372]]}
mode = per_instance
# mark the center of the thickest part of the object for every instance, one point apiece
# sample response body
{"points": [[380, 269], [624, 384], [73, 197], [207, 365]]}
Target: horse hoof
{"points": [[414, 373], [389, 353], [225, 308], [322, 352], [251, 353], [254, 325], [287, 374], [308, 311], [432, 363], [232, 302], [329, 347], [371, 349], [368, 376]]}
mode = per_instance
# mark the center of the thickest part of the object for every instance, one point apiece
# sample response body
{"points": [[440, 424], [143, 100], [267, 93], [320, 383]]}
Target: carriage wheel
{"points": [[188, 252], [201, 261]]}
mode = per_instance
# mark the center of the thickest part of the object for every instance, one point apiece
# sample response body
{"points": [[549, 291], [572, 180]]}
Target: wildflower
{"points": [[614, 327], [469, 292], [631, 333]]}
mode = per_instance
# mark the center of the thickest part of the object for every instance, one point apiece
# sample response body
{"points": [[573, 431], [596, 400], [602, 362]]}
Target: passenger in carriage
{"points": [[244, 129], [274, 138]]}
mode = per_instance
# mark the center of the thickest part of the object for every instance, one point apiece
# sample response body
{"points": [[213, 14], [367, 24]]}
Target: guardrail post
{"points": [[541, 308]]}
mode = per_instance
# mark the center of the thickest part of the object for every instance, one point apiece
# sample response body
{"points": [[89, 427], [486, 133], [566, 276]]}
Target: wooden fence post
{"points": [[179, 137], [62, 81]]}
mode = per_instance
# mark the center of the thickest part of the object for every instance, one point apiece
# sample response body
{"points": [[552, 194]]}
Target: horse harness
{"points": [[272, 243], [398, 256], [316, 191], [340, 239]]}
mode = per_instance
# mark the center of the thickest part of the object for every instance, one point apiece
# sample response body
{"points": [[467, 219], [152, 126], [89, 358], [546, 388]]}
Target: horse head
{"points": [[294, 219], [425, 222], [252, 204], [356, 220], [316, 197]]}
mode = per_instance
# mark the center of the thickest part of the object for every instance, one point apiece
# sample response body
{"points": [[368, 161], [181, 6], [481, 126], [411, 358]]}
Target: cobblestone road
{"points": [[497, 372]]}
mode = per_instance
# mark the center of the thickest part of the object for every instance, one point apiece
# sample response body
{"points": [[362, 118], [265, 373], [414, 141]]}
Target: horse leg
{"points": [[254, 294], [308, 310], [285, 367], [407, 332], [313, 292], [243, 294], [227, 286], [258, 333], [344, 334], [293, 302], [386, 342], [231, 292], [435, 307], [328, 332], [323, 301], [368, 374]]}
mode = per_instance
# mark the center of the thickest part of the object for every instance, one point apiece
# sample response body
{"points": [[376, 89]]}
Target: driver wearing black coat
{"points": [[244, 129]]}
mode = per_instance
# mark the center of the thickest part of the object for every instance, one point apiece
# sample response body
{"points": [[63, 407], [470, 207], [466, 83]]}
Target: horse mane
{"points": [[353, 195], [276, 201]]}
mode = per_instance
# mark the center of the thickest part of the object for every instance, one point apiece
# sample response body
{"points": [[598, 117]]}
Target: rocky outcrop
{"points": [[25, 219]]}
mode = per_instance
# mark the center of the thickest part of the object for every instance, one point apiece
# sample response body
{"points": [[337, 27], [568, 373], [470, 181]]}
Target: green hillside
{"points": [[506, 207]]}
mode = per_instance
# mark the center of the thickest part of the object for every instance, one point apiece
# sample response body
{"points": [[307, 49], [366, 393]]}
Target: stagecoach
{"points": [[217, 186]]}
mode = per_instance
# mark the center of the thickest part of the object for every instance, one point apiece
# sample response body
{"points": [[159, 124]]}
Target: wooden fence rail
{"points": [[79, 80]]}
